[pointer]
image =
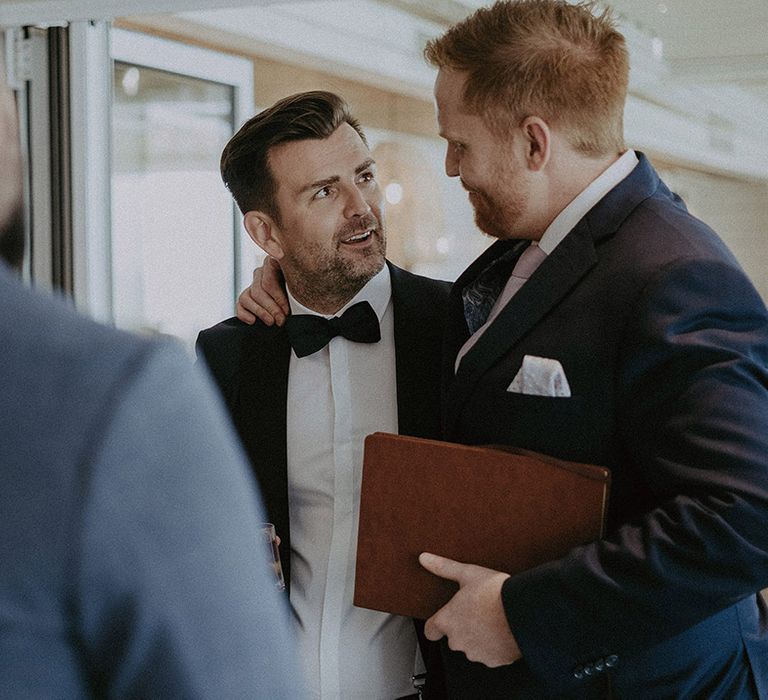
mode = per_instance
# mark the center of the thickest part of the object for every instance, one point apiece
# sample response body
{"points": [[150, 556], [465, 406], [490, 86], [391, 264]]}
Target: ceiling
{"points": [[706, 44], [703, 41], [708, 41]]}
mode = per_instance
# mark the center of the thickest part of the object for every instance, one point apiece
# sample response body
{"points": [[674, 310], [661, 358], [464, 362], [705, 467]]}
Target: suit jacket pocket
{"points": [[512, 401], [550, 425]]}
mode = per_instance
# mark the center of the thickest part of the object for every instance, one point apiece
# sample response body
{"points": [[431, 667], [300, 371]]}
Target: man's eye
{"points": [[323, 193], [367, 177]]}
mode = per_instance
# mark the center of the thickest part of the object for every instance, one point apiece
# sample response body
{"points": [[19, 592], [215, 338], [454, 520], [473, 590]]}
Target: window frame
{"points": [[91, 138]]}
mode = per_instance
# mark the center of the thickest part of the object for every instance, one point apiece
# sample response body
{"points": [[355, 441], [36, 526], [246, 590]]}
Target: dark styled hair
{"points": [[245, 159], [548, 58]]}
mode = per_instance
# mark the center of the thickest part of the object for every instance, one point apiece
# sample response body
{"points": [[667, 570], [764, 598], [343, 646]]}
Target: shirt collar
{"points": [[377, 292], [567, 219]]}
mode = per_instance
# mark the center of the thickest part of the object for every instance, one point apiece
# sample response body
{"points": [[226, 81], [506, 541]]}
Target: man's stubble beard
{"points": [[324, 282]]}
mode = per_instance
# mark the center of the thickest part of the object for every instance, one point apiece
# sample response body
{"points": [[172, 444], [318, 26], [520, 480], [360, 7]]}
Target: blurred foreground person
{"points": [[129, 561]]}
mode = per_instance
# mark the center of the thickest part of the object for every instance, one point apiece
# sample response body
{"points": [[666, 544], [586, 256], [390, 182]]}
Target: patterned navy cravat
{"points": [[480, 296]]}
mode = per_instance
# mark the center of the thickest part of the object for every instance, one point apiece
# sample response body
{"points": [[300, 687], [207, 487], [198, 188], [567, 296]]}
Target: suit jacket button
{"points": [[611, 661], [589, 669], [578, 673], [600, 665]]}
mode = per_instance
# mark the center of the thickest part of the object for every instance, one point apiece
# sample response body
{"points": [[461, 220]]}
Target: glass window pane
{"points": [[173, 238]]}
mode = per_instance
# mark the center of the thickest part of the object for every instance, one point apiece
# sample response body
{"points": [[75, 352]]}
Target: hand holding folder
{"points": [[505, 510], [474, 620]]}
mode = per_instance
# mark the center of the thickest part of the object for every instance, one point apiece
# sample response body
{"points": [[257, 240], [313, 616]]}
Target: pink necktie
{"points": [[525, 266]]}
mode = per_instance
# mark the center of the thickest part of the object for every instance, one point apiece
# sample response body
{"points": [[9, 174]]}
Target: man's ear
{"points": [[262, 230], [538, 142]]}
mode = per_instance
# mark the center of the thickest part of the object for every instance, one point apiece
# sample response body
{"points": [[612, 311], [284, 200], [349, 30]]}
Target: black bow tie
{"points": [[308, 334]]}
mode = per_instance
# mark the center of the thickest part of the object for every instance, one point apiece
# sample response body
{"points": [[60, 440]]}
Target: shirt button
{"points": [[611, 661]]}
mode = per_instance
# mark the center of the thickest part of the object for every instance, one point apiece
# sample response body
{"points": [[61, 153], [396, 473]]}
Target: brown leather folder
{"points": [[506, 509]]}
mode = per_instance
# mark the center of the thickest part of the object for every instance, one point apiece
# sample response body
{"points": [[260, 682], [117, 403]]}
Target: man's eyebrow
{"points": [[319, 184], [333, 179], [364, 165]]}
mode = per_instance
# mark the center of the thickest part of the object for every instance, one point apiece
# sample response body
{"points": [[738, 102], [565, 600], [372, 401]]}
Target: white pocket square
{"points": [[540, 376]]}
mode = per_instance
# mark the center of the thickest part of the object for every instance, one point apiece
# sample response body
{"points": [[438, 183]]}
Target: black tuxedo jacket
{"points": [[664, 343], [250, 365]]}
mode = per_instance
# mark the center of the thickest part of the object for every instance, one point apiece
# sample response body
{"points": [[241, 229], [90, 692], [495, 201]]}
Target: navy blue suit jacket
{"points": [[664, 342], [250, 365]]}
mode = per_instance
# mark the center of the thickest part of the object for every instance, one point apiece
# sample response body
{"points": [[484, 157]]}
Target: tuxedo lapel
{"points": [[419, 308], [260, 416], [264, 382], [405, 326]]}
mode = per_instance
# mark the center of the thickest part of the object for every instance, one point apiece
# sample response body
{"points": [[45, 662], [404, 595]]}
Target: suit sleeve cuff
{"points": [[547, 633]]}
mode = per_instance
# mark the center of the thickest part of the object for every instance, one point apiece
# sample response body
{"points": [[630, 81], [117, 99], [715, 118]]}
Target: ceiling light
{"points": [[657, 46], [130, 81], [393, 192]]}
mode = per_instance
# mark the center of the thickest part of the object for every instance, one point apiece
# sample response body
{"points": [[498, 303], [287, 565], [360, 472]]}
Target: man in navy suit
{"points": [[357, 356], [606, 325], [625, 335]]}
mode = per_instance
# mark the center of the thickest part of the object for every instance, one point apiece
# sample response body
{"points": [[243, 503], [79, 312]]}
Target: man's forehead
{"points": [[299, 163], [449, 86], [449, 101], [454, 122]]}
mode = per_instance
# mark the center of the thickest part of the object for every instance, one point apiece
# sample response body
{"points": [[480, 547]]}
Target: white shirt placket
{"points": [[335, 586]]}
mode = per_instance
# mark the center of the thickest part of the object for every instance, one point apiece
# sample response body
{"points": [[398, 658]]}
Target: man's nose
{"points": [[356, 204], [451, 163]]}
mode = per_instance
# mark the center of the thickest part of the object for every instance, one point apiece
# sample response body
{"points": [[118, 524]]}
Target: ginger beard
{"points": [[498, 213]]}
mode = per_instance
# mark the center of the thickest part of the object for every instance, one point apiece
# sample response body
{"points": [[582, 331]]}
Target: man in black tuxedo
{"points": [[606, 325], [357, 355]]}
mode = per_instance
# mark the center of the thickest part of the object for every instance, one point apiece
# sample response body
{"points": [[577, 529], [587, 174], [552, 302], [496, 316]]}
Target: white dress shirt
{"points": [[336, 397], [560, 227]]}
